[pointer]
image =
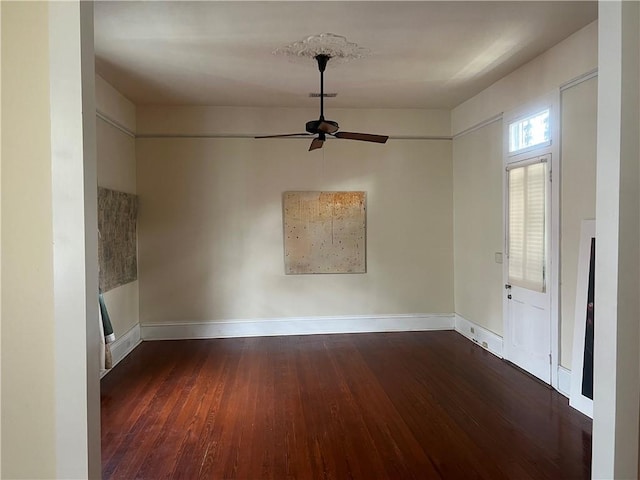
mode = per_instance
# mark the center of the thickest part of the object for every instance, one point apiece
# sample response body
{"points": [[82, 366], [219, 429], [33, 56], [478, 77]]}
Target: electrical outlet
{"points": [[473, 330], [485, 344]]}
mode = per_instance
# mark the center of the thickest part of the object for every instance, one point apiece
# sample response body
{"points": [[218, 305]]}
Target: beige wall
{"points": [[117, 171], [114, 105], [210, 239], [477, 200], [28, 379], [578, 196], [0, 249], [116, 158], [478, 170], [256, 120]]}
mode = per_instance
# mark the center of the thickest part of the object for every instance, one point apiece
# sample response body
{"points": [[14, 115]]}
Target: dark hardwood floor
{"points": [[364, 406]]}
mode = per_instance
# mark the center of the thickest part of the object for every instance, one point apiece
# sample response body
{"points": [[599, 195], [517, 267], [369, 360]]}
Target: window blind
{"points": [[526, 240]]}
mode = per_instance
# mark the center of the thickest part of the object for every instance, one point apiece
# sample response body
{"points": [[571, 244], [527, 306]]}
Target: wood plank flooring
{"points": [[364, 406]]}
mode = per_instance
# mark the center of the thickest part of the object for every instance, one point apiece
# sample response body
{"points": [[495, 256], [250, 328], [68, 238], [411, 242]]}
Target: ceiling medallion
{"points": [[336, 47]]}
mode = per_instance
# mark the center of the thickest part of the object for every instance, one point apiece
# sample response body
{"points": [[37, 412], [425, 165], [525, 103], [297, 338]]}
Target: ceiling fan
{"points": [[323, 127]]}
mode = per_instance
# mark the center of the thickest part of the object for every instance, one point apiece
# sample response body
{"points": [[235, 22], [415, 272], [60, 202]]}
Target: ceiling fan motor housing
{"points": [[321, 126]]}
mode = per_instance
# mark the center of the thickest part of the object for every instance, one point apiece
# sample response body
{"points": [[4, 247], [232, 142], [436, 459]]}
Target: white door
{"points": [[527, 295]]}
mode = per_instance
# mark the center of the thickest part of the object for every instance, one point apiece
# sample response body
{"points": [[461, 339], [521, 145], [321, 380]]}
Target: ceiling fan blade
{"points": [[305, 134], [364, 137], [316, 143], [327, 127]]}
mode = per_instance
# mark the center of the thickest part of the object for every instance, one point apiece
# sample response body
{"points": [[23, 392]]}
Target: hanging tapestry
{"points": [[117, 238]]}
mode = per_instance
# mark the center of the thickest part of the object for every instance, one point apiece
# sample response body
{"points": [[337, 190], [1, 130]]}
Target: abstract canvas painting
{"points": [[324, 232]]}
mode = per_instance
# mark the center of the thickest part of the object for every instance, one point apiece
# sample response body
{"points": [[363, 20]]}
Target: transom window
{"points": [[528, 132]]}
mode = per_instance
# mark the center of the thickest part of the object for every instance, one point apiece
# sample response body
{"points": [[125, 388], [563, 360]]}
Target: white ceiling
{"points": [[423, 54]]}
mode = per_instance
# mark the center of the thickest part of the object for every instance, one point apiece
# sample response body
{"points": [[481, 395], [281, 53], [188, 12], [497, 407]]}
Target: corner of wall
{"points": [[111, 104], [572, 57]]}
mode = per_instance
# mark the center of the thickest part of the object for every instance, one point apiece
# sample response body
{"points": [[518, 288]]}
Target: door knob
{"points": [[509, 296], [507, 286]]}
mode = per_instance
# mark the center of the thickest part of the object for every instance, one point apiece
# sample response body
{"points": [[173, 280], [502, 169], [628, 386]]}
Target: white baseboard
{"points": [[296, 326], [564, 381], [124, 345], [480, 335]]}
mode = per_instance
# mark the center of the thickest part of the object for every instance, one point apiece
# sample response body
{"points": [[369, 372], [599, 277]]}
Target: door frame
{"points": [[551, 101]]}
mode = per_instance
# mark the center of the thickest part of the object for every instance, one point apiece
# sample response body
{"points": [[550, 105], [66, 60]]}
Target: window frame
{"points": [[543, 160], [532, 113]]}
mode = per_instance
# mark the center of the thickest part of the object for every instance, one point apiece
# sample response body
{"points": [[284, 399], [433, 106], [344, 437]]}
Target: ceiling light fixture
{"points": [[335, 47]]}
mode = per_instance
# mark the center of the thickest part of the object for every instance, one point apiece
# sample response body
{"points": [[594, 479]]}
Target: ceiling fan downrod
{"points": [[322, 60]]}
